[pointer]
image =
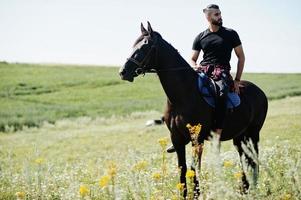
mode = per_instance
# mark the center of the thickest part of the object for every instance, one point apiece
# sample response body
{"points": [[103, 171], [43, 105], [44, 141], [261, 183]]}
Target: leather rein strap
{"points": [[142, 68]]}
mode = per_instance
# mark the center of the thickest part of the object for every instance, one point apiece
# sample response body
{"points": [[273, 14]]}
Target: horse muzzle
{"points": [[125, 75]]}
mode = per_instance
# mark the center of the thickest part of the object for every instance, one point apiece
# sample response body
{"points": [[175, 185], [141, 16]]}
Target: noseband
{"points": [[142, 65]]}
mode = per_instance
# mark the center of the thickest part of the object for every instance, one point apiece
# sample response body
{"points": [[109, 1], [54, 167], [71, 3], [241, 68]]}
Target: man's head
{"points": [[213, 15]]}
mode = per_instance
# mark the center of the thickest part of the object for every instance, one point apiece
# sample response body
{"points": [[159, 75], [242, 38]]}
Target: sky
{"points": [[102, 32]]}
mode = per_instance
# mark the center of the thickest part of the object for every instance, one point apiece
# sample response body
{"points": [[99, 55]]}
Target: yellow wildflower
{"points": [[20, 195], [228, 163], [104, 181], [194, 130], [180, 186], [112, 169], [163, 142], [190, 174], [156, 176], [140, 166], [39, 161], [238, 175], [83, 191]]}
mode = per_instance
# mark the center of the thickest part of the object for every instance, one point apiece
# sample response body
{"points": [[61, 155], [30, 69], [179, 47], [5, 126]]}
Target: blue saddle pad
{"points": [[206, 88]]}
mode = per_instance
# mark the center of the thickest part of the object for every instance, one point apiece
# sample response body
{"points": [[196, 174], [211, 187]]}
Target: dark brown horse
{"points": [[185, 103]]}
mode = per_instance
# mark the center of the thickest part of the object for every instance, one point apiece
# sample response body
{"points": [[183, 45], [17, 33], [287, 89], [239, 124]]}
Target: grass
{"points": [[119, 158], [32, 94], [84, 138]]}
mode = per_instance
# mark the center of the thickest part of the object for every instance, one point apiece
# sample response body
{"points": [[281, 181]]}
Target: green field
{"points": [[32, 94], [95, 144]]}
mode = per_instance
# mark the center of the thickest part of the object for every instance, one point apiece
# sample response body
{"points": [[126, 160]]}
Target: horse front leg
{"points": [[181, 153]]}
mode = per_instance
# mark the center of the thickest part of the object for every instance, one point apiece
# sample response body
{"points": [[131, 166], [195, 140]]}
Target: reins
{"points": [[143, 69], [168, 69]]}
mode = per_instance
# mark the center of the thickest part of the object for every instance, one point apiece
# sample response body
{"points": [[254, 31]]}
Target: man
{"points": [[217, 43]]}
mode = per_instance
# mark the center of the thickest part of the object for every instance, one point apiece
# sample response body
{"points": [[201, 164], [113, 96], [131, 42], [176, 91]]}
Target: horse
{"points": [[152, 54]]}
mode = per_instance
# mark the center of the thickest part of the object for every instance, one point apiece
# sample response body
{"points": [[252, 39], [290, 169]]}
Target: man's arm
{"points": [[240, 66], [194, 58], [241, 61]]}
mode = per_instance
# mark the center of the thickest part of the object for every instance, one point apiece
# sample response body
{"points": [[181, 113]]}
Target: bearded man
{"points": [[217, 43]]}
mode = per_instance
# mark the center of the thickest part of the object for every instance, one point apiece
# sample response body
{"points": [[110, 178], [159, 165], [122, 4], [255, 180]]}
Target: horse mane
{"points": [[173, 49], [161, 41]]}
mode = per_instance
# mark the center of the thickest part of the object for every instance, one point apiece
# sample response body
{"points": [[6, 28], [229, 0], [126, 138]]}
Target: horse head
{"points": [[142, 59]]}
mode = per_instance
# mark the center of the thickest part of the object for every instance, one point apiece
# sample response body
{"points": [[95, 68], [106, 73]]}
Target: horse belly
{"points": [[236, 123]]}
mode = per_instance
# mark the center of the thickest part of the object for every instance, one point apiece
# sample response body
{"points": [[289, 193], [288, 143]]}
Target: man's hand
{"points": [[236, 86], [197, 68]]}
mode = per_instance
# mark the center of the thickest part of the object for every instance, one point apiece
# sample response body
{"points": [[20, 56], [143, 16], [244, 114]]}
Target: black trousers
{"points": [[221, 100]]}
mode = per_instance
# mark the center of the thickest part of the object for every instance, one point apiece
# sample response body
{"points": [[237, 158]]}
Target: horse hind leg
{"points": [[247, 147]]}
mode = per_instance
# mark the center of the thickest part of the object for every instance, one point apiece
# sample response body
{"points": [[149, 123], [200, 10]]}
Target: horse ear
{"points": [[149, 28], [143, 30]]}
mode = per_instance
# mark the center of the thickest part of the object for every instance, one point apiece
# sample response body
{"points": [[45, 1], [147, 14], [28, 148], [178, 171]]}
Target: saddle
{"points": [[209, 91]]}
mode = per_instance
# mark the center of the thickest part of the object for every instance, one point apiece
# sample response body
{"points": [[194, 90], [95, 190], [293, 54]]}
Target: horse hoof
{"points": [[244, 188]]}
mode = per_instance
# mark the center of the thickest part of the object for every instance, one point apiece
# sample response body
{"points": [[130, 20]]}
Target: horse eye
{"points": [[145, 41]]}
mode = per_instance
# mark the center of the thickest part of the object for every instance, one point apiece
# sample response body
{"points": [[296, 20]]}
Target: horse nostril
{"points": [[122, 73]]}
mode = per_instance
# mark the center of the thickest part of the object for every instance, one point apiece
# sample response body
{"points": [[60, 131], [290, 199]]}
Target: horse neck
{"points": [[177, 78]]}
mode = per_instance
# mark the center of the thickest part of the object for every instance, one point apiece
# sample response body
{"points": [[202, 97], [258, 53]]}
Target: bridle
{"points": [[143, 69]]}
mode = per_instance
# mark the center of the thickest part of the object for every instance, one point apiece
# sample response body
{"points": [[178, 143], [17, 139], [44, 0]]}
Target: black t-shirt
{"points": [[217, 46]]}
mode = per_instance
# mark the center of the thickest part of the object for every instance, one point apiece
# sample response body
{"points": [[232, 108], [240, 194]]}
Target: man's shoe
{"points": [[171, 149]]}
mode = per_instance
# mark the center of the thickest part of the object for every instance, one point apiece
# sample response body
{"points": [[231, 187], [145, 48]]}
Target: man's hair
{"points": [[210, 7]]}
